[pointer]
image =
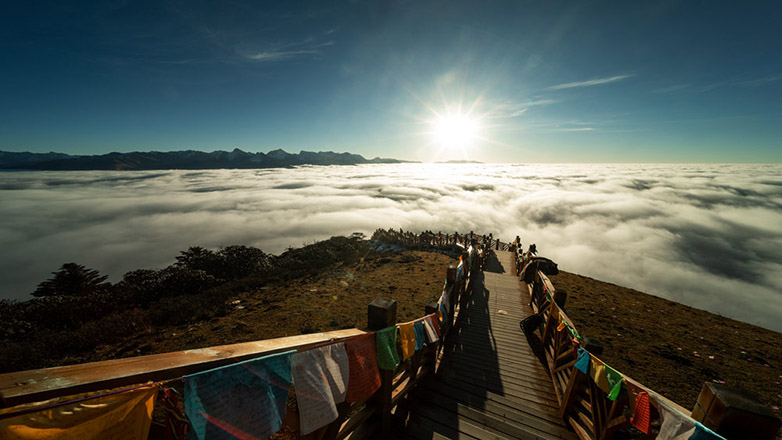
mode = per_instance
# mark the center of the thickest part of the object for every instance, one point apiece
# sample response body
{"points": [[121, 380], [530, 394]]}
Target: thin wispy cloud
{"points": [[752, 82], [672, 88], [515, 108], [589, 83], [281, 52], [564, 129]]}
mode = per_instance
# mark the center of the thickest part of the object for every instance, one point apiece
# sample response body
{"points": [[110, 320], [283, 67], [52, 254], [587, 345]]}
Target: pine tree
{"points": [[72, 280]]}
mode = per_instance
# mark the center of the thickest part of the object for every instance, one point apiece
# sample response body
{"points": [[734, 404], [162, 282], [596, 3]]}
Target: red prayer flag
{"points": [[364, 377], [641, 415]]}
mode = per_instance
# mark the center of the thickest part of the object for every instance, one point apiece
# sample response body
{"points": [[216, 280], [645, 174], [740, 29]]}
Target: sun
{"points": [[455, 131]]}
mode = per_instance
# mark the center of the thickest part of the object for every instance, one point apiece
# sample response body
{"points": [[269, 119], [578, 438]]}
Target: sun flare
{"points": [[455, 131]]}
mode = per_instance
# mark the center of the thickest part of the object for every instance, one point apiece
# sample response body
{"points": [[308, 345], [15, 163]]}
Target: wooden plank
{"points": [[46, 383], [515, 390], [444, 422], [532, 383], [537, 404], [499, 405], [524, 428]]}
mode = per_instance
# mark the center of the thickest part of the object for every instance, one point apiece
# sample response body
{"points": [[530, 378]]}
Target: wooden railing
{"points": [[436, 240], [358, 420], [582, 404]]}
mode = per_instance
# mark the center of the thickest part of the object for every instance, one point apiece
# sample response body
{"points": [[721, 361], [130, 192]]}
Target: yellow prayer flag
{"points": [[597, 370], [407, 338], [125, 416], [561, 326]]}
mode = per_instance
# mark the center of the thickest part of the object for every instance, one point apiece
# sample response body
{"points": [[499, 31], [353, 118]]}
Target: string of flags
{"points": [[675, 425], [243, 400]]}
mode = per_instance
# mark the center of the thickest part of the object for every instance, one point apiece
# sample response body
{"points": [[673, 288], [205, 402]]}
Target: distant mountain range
{"points": [[186, 160]]}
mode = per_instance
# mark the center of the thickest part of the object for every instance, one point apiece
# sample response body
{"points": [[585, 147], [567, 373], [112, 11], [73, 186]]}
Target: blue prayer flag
{"points": [[239, 400], [420, 335], [704, 433], [583, 360]]}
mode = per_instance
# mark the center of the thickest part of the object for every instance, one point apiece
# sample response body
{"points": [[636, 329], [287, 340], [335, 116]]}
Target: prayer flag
{"points": [[445, 300], [444, 313], [320, 377], [246, 399], [561, 326], [125, 415], [435, 323], [177, 425], [387, 357], [614, 379], [420, 334], [364, 377], [407, 338], [641, 415], [704, 433], [597, 370], [583, 361], [431, 335], [675, 425]]}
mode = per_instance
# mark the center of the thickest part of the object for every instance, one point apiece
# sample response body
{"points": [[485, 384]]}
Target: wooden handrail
{"points": [[583, 405], [357, 420], [46, 383]]}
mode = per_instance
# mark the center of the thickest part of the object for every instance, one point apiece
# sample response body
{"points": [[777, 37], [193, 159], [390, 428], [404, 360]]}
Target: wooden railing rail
{"points": [[582, 404], [357, 420], [436, 240]]}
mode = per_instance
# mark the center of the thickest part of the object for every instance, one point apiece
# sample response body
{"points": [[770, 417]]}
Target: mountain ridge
{"points": [[182, 159]]}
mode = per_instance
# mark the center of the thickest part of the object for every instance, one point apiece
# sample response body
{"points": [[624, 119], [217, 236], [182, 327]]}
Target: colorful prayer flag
{"points": [[407, 338], [435, 323], [597, 370], [125, 415], [431, 334], [444, 313], [176, 423], [420, 334], [364, 377], [320, 377], [641, 414], [246, 399], [675, 425], [704, 433], [614, 379], [583, 361], [387, 357]]}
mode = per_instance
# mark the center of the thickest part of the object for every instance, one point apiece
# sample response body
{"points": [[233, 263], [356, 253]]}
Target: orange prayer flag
{"points": [[364, 377], [125, 415]]}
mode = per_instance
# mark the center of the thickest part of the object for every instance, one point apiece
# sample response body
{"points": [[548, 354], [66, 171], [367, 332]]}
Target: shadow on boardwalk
{"points": [[489, 384]]}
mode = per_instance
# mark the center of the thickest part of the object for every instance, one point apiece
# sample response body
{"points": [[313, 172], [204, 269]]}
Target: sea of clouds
{"points": [[709, 236]]}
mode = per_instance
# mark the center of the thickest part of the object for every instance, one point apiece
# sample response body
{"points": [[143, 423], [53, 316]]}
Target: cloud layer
{"points": [[706, 235]]}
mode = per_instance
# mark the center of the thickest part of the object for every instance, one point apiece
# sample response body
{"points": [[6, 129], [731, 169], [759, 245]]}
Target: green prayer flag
{"points": [[614, 382], [387, 357]]}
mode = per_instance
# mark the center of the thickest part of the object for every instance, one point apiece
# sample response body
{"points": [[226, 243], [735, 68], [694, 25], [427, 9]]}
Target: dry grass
{"points": [[334, 300]]}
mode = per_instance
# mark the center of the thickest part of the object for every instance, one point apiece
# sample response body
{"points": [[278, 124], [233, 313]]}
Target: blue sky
{"points": [[695, 81]]}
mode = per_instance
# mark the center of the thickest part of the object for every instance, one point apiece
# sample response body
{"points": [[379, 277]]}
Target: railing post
{"points": [[381, 314]]}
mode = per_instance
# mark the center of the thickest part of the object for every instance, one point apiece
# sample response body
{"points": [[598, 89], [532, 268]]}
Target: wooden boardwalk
{"points": [[490, 384]]}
